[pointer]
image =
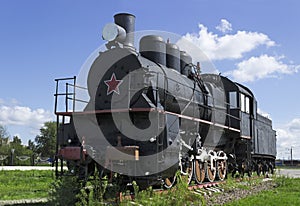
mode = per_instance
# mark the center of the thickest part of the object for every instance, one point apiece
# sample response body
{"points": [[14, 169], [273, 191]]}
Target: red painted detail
{"points": [[72, 153], [113, 85], [109, 111]]}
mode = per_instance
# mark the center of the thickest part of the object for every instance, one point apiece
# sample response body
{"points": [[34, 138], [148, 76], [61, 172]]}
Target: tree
{"points": [[3, 131], [16, 144], [45, 142], [4, 145], [16, 141], [31, 146], [4, 137], [19, 151], [4, 141]]}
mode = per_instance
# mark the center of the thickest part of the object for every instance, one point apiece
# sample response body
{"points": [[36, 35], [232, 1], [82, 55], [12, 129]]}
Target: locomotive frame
{"points": [[211, 121]]}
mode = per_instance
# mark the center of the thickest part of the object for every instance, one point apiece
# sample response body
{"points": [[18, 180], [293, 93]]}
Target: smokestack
{"points": [[127, 21]]}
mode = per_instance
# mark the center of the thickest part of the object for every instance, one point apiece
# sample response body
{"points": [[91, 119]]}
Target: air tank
{"points": [[173, 56], [153, 47], [185, 63]]}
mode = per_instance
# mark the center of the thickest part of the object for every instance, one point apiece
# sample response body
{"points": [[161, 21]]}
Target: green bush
{"points": [[69, 190], [179, 195], [64, 191]]}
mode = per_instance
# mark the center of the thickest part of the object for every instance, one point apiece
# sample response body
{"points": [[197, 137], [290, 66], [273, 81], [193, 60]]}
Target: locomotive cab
{"points": [[241, 110]]}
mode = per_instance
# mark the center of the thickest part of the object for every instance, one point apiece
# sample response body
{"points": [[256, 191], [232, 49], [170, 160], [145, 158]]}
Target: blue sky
{"points": [[44, 40]]}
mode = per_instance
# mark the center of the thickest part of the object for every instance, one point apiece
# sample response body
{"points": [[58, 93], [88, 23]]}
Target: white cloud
{"points": [[288, 136], [24, 116], [206, 46], [224, 26], [264, 66], [229, 46], [263, 113], [23, 121], [197, 55]]}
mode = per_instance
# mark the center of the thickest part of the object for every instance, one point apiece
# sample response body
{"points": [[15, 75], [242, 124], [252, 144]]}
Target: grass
{"points": [[287, 192], [287, 167], [32, 184]]}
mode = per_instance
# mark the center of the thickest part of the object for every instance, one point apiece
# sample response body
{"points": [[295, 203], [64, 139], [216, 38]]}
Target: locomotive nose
{"points": [[108, 82]]}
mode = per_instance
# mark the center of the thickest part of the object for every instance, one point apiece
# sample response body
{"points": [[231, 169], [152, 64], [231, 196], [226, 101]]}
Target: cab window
{"points": [[233, 100], [245, 103]]}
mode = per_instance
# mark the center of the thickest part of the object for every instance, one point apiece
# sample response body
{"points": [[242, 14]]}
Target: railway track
{"points": [[208, 187], [205, 188]]}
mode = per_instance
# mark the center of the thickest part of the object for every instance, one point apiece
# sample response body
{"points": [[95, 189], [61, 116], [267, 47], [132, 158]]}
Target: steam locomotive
{"points": [[151, 113]]}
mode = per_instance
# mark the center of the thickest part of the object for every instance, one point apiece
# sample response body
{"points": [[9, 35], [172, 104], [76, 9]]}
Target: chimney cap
{"points": [[124, 14]]}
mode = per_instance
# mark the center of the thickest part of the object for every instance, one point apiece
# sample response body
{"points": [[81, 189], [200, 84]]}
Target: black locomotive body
{"points": [[156, 115]]}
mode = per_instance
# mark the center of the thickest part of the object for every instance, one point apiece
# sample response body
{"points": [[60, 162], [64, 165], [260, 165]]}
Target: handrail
{"points": [[67, 78], [77, 86], [69, 94]]}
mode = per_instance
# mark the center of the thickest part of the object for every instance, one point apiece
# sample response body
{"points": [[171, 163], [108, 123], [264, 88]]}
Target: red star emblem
{"points": [[113, 85]]}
